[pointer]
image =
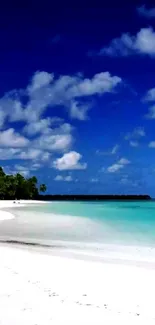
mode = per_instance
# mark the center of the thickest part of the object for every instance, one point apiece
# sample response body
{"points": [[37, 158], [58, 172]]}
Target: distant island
{"points": [[94, 197]]}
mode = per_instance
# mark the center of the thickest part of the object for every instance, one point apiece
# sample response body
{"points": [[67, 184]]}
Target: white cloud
{"points": [[119, 165], [101, 83], [10, 138], [150, 96], [63, 178], [136, 133], [151, 114], [148, 13], [152, 144], [143, 43], [69, 161], [134, 143]]}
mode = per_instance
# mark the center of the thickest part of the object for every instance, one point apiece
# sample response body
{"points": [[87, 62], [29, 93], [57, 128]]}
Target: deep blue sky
{"points": [[73, 88]]}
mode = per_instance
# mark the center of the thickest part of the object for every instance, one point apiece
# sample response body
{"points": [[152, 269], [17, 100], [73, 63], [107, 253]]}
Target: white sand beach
{"points": [[15, 203], [38, 287], [4, 215]]}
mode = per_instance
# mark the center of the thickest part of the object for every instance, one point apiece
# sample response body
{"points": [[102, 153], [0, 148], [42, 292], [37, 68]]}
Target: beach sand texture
{"points": [[40, 288]]}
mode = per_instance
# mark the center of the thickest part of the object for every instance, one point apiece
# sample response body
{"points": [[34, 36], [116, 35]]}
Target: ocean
{"points": [[83, 224]]}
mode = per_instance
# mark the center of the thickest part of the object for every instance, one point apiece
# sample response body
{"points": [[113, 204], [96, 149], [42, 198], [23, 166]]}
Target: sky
{"points": [[77, 96]]}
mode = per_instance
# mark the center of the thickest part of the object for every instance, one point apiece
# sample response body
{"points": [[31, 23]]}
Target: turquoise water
{"points": [[127, 223]]}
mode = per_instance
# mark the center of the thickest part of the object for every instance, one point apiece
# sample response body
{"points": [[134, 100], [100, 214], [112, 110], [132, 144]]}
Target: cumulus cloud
{"points": [[119, 165], [10, 138], [63, 178], [148, 13], [142, 43], [69, 161]]}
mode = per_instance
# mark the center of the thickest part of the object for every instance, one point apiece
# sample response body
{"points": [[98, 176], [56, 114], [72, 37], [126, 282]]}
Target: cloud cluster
{"points": [[39, 136], [142, 43], [46, 91]]}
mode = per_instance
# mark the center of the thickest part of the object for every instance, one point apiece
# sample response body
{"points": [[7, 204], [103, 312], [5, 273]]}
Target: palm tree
{"points": [[42, 188]]}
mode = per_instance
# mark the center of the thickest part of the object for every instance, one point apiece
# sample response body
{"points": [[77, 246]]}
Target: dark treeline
{"points": [[19, 187], [93, 197]]}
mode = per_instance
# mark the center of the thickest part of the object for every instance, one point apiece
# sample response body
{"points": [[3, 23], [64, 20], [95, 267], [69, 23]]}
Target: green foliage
{"points": [[16, 186]]}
